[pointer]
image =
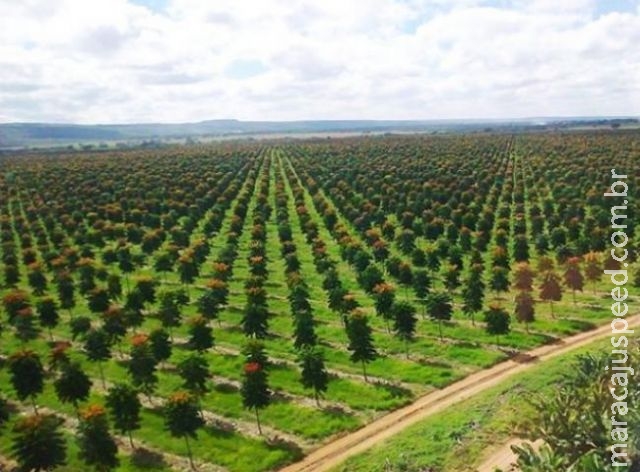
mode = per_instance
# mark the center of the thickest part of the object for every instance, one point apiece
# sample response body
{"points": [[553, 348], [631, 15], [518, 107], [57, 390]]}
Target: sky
{"points": [[128, 61]]}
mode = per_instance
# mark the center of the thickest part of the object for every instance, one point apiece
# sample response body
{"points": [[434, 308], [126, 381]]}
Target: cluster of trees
{"points": [[576, 422]]}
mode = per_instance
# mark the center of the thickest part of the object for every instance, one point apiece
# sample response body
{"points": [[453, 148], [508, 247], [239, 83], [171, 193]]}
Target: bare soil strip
{"points": [[503, 457]]}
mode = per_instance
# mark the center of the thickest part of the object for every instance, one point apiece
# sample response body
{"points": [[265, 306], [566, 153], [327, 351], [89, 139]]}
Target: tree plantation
{"points": [[233, 306]]}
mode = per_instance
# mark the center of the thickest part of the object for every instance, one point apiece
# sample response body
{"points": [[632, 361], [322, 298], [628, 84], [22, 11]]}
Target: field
{"points": [[378, 269], [459, 437]]}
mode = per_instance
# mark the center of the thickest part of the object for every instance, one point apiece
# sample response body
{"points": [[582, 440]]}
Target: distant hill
{"points": [[16, 135]]}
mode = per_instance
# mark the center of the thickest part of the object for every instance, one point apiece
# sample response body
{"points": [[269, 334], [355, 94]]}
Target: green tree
{"points": [[27, 375], [255, 389], [473, 294], [255, 320], [98, 300], [200, 334], [37, 279], [499, 280], [142, 365], [98, 448], [80, 326], [66, 290], [73, 385], [194, 372], [38, 443], [497, 321], [4, 412], [182, 419], [98, 349], [160, 344], [48, 314], [384, 295], [124, 407], [314, 375], [404, 322], [24, 325], [439, 308], [360, 340], [304, 334]]}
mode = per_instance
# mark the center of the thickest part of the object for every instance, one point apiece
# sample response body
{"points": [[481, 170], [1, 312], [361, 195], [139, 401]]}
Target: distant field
{"points": [[290, 244]]}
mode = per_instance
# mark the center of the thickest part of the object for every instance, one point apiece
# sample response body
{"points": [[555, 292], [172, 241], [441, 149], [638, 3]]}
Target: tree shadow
{"points": [[280, 444], [523, 358], [145, 459], [224, 387], [396, 391]]}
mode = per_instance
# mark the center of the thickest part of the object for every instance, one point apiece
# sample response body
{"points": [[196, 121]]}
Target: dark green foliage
{"points": [[304, 330], [255, 389], [160, 344], [200, 334], [498, 321], [73, 385], [4, 411], [27, 374], [440, 308], [314, 375], [98, 448], [48, 313], [360, 341], [473, 294], [38, 443], [80, 326], [255, 320], [124, 407], [182, 418], [98, 300], [404, 321], [194, 371], [142, 367]]}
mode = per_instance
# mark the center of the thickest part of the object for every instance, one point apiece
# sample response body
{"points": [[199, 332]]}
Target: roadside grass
{"points": [[458, 437]]}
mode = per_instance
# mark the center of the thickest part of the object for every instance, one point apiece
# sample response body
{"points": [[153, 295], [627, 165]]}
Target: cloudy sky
{"points": [[101, 61]]}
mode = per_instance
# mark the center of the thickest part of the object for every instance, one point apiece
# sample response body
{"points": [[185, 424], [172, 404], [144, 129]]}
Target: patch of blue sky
{"points": [[604, 7], [245, 68], [153, 5]]}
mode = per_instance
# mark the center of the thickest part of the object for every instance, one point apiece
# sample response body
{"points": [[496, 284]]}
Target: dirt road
{"points": [[335, 452], [503, 457]]}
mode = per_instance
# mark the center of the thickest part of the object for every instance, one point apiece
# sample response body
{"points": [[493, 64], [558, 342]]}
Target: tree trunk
{"points": [[258, 421], [440, 329], [186, 439], [364, 371], [104, 385], [35, 407], [130, 439]]}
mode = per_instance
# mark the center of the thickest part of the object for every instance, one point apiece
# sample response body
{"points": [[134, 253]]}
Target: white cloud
{"points": [[116, 61]]}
